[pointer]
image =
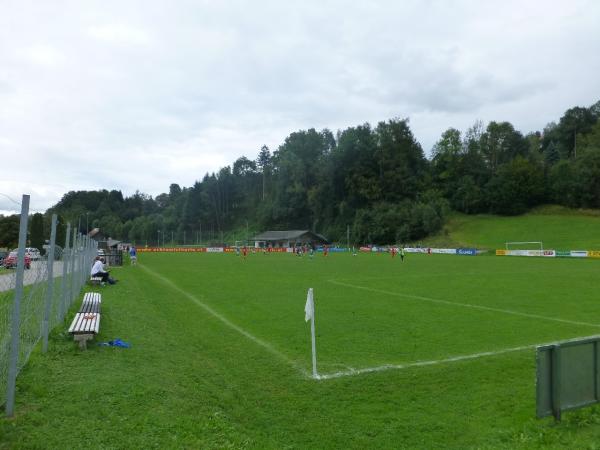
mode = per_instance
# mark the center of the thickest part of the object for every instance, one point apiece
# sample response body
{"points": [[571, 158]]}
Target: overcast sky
{"points": [[136, 95]]}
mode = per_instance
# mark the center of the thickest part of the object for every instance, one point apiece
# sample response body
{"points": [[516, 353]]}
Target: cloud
{"points": [[120, 34], [43, 55], [139, 95]]}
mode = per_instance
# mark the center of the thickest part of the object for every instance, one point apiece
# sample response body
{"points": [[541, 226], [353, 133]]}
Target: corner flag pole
{"points": [[309, 313]]}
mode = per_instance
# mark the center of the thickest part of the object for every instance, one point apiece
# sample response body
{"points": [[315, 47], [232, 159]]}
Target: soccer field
{"points": [[437, 351], [378, 313]]}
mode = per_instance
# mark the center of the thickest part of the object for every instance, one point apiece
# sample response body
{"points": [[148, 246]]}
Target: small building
{"points": [[290, 238], [104, 242], [97, 235], [113, 255]]}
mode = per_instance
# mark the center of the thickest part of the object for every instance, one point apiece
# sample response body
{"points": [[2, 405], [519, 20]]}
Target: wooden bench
{"points": [[95, 280], [91, 303], [86, 323]]}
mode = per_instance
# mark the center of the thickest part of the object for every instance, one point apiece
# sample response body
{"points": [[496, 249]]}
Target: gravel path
{"points": [[38, 272]]}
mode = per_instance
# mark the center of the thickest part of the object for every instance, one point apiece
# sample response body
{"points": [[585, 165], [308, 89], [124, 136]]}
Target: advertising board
{"points": [[579, 253], [416, 250], [444, 251]]}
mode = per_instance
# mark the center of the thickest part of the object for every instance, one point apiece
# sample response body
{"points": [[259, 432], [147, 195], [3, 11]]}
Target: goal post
{"points": [[539, 245]]}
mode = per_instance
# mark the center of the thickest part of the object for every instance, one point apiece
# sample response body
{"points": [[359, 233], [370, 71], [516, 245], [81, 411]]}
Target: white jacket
{"points": [[97, 267]]}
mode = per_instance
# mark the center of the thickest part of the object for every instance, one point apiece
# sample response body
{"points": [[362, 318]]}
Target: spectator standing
{"points": [[133, 255]]}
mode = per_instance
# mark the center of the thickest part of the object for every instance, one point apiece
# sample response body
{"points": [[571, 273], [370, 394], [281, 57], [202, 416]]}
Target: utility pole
{"points": [[348, 236]]}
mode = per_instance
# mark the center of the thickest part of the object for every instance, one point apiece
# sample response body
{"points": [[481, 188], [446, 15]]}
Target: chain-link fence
{"points": [[36, 291]]}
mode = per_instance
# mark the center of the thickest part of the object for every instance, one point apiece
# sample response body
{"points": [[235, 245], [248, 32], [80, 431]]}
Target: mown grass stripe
{"points": [[465, 305]]}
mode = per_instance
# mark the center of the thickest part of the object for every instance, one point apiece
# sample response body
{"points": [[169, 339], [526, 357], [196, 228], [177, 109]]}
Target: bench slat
{"points": [[90, 307], [85, 323], [91, 303]]}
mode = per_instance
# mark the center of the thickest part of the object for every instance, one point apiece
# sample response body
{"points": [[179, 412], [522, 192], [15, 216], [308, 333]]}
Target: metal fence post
{"points": [[50, 287], [84, 258], [65, 271], [73, 261], [16, 319], [81, 263]]}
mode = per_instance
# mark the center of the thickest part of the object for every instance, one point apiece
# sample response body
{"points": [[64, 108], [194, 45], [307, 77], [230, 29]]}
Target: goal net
{"points": [[525, 245]]}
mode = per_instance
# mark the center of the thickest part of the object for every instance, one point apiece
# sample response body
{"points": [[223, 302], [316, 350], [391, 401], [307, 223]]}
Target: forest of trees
{"points": [[376, 181]]}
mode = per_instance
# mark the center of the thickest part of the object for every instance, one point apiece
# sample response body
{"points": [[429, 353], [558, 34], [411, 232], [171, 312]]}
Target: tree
{"points": [[468, 196], [501, 143], [296, 164], [575, 121], [551, 155], [402, 164], [369, 177], [354, 179], [591, 140], [61, 228], [263, 162], [562, 184], [587, 178], [9, 230], [446, 162], [36, 231], [517, 186]]}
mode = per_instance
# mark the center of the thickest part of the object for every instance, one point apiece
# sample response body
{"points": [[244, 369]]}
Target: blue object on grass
{"points": [[116, 343]]}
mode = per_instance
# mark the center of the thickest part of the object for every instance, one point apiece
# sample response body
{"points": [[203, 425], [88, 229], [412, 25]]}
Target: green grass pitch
{"points": [[437, 351]]}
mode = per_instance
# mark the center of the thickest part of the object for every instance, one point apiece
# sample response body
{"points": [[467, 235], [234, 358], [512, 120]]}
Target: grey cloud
{"points": [[148, 87]]}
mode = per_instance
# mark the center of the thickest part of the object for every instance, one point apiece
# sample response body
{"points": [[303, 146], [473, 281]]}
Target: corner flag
{"points": [[309, 314], [309, 308]]}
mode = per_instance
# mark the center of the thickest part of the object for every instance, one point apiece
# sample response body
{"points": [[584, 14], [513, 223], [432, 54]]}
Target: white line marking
{"points": [[230, 324], [465, 305], [353, 372]]}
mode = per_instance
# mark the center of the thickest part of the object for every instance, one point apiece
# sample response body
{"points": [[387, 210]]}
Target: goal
{"points": [[525, 245]]}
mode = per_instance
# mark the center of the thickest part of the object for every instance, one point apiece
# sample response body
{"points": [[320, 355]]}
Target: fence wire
{"points": [[70, 268]]}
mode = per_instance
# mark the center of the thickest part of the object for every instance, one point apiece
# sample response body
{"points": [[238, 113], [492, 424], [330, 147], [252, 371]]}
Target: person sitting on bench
{"points": [[98, 270]]}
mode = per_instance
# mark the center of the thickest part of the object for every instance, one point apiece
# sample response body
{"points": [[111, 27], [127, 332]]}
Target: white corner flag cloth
{"points": [[309, 308]]}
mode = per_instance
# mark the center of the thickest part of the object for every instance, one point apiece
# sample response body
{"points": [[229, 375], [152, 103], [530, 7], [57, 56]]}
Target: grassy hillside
{"points": [[557, 227]]}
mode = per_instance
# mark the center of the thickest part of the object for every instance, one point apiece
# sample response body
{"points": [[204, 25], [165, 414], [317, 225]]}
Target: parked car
{"points": [[11, 260], [3, 255], [33, 253]]}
